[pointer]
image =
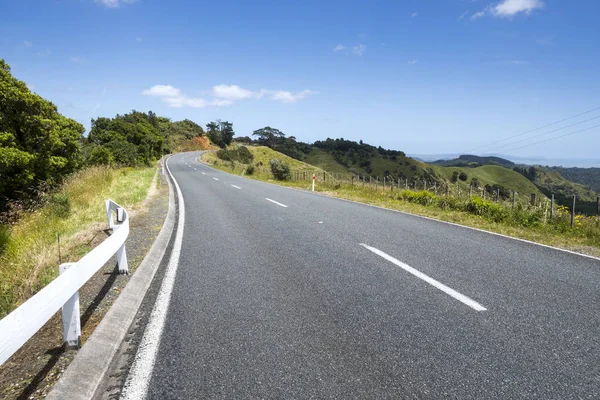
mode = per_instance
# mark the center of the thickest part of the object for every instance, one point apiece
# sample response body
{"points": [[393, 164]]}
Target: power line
{"points": [[534, 130], [556, 137], [546, 133]]}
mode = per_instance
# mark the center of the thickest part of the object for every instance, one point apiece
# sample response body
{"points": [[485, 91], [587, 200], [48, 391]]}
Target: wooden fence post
{"points": [[573, 212]]}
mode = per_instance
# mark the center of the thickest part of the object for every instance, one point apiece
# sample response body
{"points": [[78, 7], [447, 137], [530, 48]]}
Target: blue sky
{"points": [[422, 76]]}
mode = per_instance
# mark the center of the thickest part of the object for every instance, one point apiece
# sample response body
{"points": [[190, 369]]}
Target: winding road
{"points": [[281, 293]]}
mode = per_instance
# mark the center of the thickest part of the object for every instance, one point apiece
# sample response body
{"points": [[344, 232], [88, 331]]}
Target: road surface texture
{"points": [[280, 293]]}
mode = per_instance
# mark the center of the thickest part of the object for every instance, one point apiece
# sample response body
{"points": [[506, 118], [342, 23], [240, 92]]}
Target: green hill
{"points": [[467, 160]]}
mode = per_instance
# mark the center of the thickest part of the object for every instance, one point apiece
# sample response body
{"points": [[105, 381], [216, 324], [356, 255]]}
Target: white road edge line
{"points": [[276, 202], [216, 179], [237, 187], [138, 380], [449, 291]]}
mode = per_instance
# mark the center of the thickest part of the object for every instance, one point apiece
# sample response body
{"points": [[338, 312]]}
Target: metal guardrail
{"points": [[63, 292]]}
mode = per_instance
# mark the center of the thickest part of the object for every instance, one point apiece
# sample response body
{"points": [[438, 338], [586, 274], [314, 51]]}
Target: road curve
{"points": [[280, 293]]}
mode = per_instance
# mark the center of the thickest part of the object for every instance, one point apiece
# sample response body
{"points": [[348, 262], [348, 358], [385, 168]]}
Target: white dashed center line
{"points": [[276, 202], [449, 291], [237, 187]]}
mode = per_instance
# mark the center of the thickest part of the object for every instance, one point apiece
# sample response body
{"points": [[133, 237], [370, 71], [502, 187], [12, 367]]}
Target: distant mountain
{"points": [[589, 177], [467, 160]]}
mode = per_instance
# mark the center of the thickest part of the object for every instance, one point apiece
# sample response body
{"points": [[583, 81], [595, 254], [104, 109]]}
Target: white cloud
{"points": [[415, 14], [288, 97], [76, 59], [463, 15], [359, 50], [27, 43], [477, 15], [339, 47], [162, 91], [138, 39], [413, 62], [114, 3], [231, 92], [224, 95], [509, 8]]}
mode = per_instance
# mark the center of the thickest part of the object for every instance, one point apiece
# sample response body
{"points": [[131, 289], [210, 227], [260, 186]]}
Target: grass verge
{"points": [[30, 255], [521, 222]]}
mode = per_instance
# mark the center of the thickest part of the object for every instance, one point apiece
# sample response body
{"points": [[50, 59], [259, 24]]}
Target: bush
{"points": [[489, 210], [250, 169], [280, 171], [241, 154], [463, 177]]}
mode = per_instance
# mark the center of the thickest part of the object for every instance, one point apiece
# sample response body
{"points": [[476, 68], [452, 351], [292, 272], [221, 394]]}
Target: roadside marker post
{"points": [[313, 183]]}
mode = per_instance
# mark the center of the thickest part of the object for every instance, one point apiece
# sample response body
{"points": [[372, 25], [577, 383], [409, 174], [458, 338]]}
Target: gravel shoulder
{"points": [[36, 367]]}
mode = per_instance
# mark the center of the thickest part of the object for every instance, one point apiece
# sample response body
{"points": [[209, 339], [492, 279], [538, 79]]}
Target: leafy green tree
{"points": [[213, 132], [269, 137], [227, 133], [463, 177], [37, 144]]}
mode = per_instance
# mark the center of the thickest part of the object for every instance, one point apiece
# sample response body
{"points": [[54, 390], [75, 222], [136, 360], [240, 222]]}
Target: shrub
{"points": [[244, 155], [250, 169], [280, 171], [463, 177], [487, 209]]}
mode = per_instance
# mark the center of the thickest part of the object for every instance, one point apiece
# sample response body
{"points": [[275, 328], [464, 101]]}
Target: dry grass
{"points": [[30, 259]]}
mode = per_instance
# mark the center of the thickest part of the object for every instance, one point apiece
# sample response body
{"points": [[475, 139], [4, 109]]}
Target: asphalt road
{"points": [[286, 294]]}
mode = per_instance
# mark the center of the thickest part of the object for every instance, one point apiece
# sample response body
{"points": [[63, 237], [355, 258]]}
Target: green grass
{"points": [[76, 212], [530, 223], [325, 161], [262, 156]]}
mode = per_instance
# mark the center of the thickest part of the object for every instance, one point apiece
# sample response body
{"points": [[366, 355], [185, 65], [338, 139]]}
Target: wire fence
{"points": [[459, 190]]}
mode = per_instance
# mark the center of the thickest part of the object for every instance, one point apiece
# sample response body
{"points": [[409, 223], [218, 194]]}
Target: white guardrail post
{"points": [[63, 292], [122, 252], [71, 315]]}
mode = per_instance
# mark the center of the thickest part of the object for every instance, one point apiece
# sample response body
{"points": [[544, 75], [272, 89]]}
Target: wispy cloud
{"points": [[114, 3], [413, 62], [339, 47], [477, 15], [76, 59], [231, 92], [509, 8], [27, 43], [284, 96], [463, 15], [139, 39], [359, 50], [223, 95], [415, 14]]}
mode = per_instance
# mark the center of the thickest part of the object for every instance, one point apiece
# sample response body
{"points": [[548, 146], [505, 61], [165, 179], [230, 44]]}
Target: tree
{"points": [[227, 133], [37, 144], [213, 132], [463, 177], [475, 182], [269, 137], [454, 176], [220, 133]]}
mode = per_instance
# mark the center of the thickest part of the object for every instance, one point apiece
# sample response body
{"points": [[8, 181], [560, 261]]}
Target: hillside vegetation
{"points": [[76, 212], [521, 220]]}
